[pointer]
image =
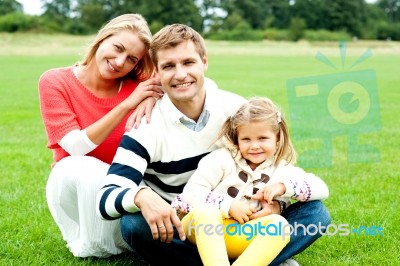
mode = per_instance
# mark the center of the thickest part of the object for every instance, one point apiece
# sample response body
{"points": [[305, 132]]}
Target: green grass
{"points": [[360, 194]]}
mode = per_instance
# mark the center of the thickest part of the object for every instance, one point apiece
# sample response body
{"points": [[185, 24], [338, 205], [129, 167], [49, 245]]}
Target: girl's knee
{"points": [[206, 212]]}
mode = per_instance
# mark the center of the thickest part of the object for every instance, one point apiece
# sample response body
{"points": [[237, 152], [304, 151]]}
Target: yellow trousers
{"points": [[256, 242]]}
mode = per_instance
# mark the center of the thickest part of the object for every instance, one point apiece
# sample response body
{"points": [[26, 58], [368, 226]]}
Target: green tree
{"points": [[259, 12], [345, 15], [296, 29], [9, 6], [391, 8]]}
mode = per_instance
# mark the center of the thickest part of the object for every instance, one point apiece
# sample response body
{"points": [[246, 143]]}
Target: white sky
{"points": [[31, 7]]}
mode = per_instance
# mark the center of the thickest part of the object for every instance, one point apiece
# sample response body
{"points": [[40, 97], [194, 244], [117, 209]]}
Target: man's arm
{"points": [[123, 180], [123, 193]]}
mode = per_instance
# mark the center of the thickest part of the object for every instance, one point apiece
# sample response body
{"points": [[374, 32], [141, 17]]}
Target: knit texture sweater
{"points": [[66, 104], [224, 176], [163, 154]]}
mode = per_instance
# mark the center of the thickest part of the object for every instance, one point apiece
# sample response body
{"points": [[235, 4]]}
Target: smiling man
{"points": [[155, 161]]}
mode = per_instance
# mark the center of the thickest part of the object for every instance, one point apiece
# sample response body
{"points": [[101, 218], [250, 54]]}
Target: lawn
{"points": [[362, 193]]}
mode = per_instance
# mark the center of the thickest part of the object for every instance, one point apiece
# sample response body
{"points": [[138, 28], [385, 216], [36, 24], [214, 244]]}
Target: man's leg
{"points": [[137, 234], [303, 214]]}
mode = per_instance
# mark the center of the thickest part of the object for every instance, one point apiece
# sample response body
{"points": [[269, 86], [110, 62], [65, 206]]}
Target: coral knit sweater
{"points": [[66, 104]]}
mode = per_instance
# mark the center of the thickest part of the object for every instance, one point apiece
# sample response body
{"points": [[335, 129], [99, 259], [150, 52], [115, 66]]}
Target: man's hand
{"points": [[160, 216]]}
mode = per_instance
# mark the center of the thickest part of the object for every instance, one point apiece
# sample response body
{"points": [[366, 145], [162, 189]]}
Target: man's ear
{"points": [[205, 62]]}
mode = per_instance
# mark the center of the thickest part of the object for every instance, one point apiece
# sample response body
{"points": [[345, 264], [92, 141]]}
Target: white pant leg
{"points": [[71, 196]]}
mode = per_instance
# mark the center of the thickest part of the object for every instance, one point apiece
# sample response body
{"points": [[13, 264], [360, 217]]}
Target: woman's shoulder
{"points": [[56, 74]]}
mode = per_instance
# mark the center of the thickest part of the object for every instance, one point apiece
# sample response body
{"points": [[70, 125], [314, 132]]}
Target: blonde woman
{"points": [[85, 109]]}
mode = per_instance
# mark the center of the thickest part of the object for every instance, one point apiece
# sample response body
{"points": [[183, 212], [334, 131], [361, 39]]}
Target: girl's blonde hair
{"points": [[171, 36], [262, 110], [137, 24]]}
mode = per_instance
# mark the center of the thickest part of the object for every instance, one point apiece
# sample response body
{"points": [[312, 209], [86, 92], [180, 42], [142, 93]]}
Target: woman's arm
{"points": [[99, 130]]}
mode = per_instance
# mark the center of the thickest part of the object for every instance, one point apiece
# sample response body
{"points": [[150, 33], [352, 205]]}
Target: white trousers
{"points": [[71, 196]]}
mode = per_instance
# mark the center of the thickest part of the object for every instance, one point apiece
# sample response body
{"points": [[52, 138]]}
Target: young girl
{"points": [[254, 170]]}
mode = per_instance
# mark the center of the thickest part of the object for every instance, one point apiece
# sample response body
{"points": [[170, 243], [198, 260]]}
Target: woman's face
{"points": [[118, 54]]}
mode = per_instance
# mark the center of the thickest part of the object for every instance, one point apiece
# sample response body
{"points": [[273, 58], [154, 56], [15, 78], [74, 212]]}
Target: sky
{"points": [[31, 7]]}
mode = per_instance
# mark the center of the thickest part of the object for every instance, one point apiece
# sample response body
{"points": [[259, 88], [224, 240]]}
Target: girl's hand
{"points": [[266, 209], [268, 193], [241, 210]]}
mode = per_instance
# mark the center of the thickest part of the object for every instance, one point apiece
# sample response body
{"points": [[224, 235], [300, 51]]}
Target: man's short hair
{"points": [[171, 36]]}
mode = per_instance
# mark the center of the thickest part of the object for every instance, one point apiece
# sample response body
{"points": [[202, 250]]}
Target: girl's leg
{"points": [[258, 241], [71, 196], [204, 228]]}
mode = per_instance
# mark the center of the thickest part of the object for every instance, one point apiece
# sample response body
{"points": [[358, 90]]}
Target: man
{"points": [[154, 162]]}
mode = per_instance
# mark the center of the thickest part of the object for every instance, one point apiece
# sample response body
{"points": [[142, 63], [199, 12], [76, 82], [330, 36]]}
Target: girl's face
{"points": [[257, 142], [118, 54]]}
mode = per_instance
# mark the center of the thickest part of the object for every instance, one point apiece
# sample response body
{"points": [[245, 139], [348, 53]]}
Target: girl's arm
{"points": [[300, 185], [210, 172]]}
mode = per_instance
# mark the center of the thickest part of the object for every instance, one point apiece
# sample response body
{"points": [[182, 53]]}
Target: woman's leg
{"points": [[71, 196]]}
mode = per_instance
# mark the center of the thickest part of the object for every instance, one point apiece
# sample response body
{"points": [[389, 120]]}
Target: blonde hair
{"points": [[171, 36], [137, 24], [262, 110]]}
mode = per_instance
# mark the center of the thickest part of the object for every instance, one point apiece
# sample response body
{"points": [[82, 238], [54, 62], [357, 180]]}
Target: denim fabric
{"points": [[305, 213], [137, 234]]}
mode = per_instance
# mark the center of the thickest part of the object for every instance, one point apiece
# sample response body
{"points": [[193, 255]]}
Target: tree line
{"points": [[219, 19]]}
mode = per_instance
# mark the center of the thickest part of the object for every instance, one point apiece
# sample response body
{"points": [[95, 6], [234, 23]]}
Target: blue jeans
{"points": [[137, 234]]}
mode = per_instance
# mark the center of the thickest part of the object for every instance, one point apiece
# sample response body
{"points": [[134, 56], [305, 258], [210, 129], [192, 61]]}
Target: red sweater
{"points": [[66, 105]]}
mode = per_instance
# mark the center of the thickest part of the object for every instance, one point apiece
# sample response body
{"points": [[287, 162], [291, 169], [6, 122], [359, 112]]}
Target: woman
{"points": [[85, 108]]}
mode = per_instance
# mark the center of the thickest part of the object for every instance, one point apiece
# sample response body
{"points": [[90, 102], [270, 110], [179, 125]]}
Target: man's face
{"points": [[181, 72]]}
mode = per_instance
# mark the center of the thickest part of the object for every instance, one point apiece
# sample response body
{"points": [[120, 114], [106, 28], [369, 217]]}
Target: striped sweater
{"points": [[162, 154]]}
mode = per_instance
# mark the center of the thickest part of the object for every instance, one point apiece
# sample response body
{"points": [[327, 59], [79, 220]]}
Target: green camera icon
{"points": [[340, 104]]}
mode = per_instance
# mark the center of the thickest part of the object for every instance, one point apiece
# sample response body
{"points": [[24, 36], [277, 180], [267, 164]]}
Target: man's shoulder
{"points": [[225, 100]]}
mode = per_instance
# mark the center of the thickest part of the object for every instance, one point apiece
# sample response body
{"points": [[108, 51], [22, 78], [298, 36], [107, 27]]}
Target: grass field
{"points": [[361, 194]]}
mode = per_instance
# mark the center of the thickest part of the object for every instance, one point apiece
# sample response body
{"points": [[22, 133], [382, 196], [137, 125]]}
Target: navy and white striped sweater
{"points": [[162, 154]]}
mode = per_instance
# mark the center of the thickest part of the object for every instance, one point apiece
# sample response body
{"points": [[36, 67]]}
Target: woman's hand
{"points": [[142, 100], [143, 109]]}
